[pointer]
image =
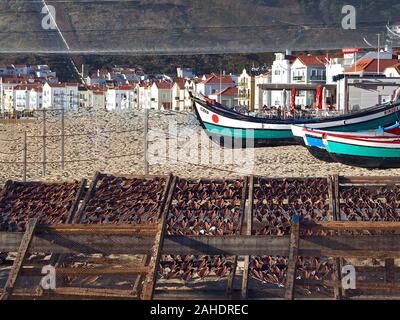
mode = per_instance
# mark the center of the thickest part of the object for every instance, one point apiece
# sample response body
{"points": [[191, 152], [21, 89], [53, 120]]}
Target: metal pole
{"points": [[146, 141], [25, 155], [44, 144], [62, 139], [379, 54]]}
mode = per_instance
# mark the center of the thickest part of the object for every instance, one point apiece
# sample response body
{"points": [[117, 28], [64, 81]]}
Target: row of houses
{"points": [[333, 72], [254, 89], [19, 95]]}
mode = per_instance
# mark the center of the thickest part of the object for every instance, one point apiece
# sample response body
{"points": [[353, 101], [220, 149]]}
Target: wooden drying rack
{"points": [[151, 241]]}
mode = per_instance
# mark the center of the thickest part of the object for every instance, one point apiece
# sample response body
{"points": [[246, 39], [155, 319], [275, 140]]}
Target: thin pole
{"points": [[146, 141], [379, 53], [44, 144], [62, 139], [25, 155]]}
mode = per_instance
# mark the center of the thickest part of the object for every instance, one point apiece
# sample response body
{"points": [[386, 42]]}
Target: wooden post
{"points": [[231, 278], [249, 222], [337, 274], [146, 141], [25, 155], [390, 271], [44, 144], [293, 254], [151, 278], [17, 266], [62, 139]]}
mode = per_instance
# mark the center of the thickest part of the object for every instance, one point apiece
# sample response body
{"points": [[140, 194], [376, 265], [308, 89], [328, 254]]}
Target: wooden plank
{"points": [[231, 278], [353, 225], [331, 193], [76, 202], [379, 180], [151, 278], [16, 268], [293, 255], [336, 189], [249, 228], [338, 293], [89, 194], [390, 270], [146, 258], [357, 246], [93, 292], [88, 271]]}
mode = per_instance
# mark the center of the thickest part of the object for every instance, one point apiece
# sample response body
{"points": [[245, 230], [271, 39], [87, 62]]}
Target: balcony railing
{"points": [[298, 78], [318, 78]]}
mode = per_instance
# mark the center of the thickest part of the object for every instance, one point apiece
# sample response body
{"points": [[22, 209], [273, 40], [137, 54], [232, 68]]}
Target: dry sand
{"points": [[114, 143]]}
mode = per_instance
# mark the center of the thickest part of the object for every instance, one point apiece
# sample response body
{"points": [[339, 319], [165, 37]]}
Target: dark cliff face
{"points": [[191, 27], [175, 33]]}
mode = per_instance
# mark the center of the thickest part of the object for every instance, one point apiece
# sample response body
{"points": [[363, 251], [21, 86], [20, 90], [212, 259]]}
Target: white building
{"points": [[178, 94], [161, 95], [393, 71], [280, 74], [262, 97], [143, 95], [61, 96], [213, 83], [355, 92], [120, 97], [227, 97], [307, 70]]}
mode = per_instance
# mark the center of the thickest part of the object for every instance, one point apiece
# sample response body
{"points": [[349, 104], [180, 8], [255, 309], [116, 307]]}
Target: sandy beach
{"points": [[114, 143]]}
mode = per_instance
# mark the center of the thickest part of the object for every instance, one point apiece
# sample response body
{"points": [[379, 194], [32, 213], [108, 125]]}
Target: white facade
{"points": [[120, 98], [60, 96], [305, 74], [281, 74], [392, 72], [355, 93], [161, 96], [178, 95], [214, 84], [262, 97]]}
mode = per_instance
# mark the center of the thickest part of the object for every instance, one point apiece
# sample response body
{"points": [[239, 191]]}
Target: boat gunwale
{"points": [[240, 117]]}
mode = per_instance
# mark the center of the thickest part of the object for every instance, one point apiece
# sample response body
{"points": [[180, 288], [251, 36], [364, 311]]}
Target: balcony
{"points": [[298, 78], [318, 77]]}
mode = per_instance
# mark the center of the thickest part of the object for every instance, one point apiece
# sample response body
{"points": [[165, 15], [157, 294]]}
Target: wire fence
{"points": [[55, 139]]}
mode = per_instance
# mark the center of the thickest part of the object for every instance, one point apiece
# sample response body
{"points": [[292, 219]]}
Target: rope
{"points": [[11, 153], [198, 165], [10, 140]]}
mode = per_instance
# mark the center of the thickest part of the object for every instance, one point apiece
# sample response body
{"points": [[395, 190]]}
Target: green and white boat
{"points": [[232, 129], [377, 152]]}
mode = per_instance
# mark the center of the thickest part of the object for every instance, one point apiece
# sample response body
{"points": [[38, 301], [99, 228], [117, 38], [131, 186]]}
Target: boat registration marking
{"points": [[391, 110], [204, 110]]}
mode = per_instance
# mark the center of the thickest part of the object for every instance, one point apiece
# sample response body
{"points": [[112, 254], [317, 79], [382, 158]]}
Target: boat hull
{"points": [[370, 155], [232, 130]]}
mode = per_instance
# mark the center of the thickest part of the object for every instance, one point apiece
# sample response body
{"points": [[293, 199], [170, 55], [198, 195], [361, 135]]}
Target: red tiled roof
{"points": [[229, 92], [56, 85], [371, 65], [214, 79], [312, 61], [164, 85], [180, 82], [124, 87], [27, 86]]}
